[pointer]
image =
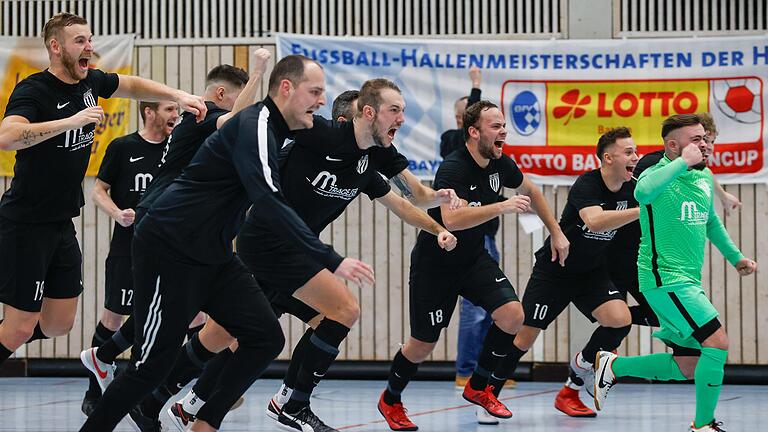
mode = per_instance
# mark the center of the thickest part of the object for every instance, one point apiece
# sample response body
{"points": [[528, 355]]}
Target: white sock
{"points": [[284, 394], [572, 385], [583, 363], [192, 403]]}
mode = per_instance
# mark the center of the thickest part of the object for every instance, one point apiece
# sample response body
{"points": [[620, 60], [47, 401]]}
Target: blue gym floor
{"points": [[53, 404]]}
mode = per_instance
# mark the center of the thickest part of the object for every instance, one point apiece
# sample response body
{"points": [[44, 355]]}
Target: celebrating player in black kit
{"points": [[227, 88], [599, 202], [477, 172], [322, 172], [183, 256], [124, 175], [50, 120]]}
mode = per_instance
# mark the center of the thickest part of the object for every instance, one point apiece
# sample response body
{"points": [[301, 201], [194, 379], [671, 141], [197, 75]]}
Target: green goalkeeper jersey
{"points": [[676, 218]]}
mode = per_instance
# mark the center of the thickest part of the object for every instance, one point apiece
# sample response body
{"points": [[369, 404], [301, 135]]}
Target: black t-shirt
{"points": [[627, 240], [184, 142], [47, 179], [587, 250], [127, 167], [479, 187], [324, 170], [196, 218]]}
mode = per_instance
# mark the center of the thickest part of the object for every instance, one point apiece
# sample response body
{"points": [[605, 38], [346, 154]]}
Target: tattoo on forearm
{"points": [[400, 182], [28, 137]]}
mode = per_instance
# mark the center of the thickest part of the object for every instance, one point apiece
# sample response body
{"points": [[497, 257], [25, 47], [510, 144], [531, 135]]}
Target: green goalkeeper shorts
{"points": [[686, 315]]}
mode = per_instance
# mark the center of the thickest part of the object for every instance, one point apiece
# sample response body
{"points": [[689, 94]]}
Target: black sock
{"points": [[37, 334], [188, 366], [101, 335], [4, 353], [297, 358], [400, 374], [320, 353], [644, 316], [505, 369], [604, 339], [153, 403], [207, 382], [120, 341], [191, 331], [495, 348]]}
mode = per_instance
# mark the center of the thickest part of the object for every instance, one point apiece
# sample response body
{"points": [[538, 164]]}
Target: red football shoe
{"points": [[568, 402], [487, 400], [395, 416]]}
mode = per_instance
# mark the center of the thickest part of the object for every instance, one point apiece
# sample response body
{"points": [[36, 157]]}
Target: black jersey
{"points": [[47, 178], [588, 249], [324, 170], [184, 142], [127, 168], [198, 215], [627, 241], [479, 187]]}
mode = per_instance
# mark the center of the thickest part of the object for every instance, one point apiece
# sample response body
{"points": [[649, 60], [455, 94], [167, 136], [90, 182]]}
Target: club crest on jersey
{"points": [[88, 99], [493, 179], [362, 164]]}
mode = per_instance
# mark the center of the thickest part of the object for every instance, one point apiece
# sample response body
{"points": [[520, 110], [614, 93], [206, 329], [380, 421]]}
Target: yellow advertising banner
{"points": [[21, 57], [586, 109]]}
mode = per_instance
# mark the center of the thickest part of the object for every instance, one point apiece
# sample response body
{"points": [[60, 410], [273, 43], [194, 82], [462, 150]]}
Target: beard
{"points": [[700, 166], [486, 151], [71, 66], [378, 139]]}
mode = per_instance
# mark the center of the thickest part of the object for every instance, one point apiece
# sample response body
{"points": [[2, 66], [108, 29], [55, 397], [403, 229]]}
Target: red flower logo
{"points": [[572, 107]]}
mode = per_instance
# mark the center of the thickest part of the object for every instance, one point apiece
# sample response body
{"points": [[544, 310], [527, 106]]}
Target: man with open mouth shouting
{"points": [[50, 120], [477, 173], [599, 202]]}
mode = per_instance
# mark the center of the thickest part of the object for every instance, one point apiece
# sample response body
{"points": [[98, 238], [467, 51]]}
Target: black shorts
{"points": [[38, 260], [435, 289], [280, 269], [118, 288], [547, 295]]}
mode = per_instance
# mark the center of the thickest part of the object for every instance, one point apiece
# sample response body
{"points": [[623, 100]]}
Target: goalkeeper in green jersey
{"points": [[676, 218]]}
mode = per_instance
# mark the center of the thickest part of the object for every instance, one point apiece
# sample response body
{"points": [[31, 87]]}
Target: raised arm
{"points": [[248, 96], [138, 88]]}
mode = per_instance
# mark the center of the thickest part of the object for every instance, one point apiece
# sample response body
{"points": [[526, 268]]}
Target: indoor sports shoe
{"points": [[395, 415], [181, 419], [273, 408], [715, 426], [568, 402], [604, 377], [484, 418], [304, 421], [103, 372], [486, 399]]}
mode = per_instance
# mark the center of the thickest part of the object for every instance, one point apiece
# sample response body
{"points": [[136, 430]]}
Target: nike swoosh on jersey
{"points": [[135, 159], [328, 158], [473, 187], [60, 106], [500, 279], [612, 292]]}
